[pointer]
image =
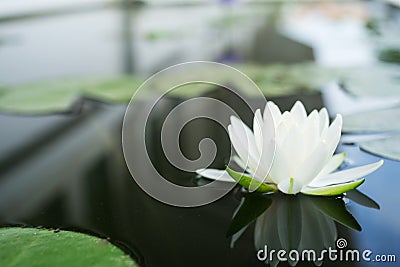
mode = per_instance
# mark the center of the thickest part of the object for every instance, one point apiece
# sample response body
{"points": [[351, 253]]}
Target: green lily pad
{"points": [[248, 182], [372, 121], [391, 55], [289, 79], [38, 247], [283, 79], [231, 20], [162, 35], [381, 80], [273, 80], [60, 96], [115, 90], [385, 120], [388, 147], [38, 98], [191, 90]]}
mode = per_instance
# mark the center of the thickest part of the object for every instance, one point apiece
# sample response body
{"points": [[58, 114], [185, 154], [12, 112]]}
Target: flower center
{"points": [[291, 183]]}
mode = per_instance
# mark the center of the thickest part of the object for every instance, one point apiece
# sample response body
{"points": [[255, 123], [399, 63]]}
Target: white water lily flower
{"points": [[303, 160]]}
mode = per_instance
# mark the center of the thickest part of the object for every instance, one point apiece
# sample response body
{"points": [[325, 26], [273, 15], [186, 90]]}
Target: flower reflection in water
{"points": [[295, 222]]}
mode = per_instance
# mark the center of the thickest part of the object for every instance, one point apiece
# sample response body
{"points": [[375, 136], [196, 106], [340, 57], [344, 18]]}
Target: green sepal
{"points": [[333, 190], [247, 181]]}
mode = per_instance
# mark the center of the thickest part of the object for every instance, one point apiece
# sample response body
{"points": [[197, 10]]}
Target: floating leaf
{"points": [[372, 121], [388, 147], [39, 247], [115, 90], [307, 78], [39, 98], [385, 120], [391, 55], [274, 80], [162, 35], [379, 80], [283, 79], [60, 96], [289, 79]]}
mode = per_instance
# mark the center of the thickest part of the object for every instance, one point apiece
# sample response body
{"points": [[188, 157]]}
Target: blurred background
{"points": [[43, 40], [69, 68]]}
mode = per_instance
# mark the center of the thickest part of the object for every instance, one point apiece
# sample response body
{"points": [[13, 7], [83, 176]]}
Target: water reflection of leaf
{"points": [[362, 199], [289, 228], [251, 207], [336, 209], [297, 222]]}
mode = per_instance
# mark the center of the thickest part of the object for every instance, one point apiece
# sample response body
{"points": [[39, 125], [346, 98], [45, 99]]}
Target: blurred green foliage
{"points": [[391, 55], [60, 96]]}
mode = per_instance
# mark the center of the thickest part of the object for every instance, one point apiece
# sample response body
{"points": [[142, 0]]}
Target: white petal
{"points": [[294, 148], [268, 127], [239, 162], [262, 177], [301, 141], [333, 164], [323, 120], [284, 128], [266, 146], [299, 112], [264, 167], [313, 164], [241, 148], [281, 133], [244, 133], [311, 135], [346, 175], [275, 111], [281, 161], [290, 186], [332, 134], [219, 175], [257, 128], [319, 157]]}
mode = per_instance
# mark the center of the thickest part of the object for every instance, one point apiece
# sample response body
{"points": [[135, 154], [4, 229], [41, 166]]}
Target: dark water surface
{"points": [[67, 171], [76, 178]]}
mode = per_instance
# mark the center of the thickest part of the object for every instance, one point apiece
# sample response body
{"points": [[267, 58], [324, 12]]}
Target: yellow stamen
{"points": [[291, 186]]}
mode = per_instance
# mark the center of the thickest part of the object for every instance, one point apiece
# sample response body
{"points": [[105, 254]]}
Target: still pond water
{"points": [[75, 177]]}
